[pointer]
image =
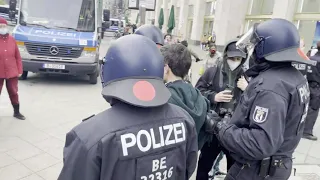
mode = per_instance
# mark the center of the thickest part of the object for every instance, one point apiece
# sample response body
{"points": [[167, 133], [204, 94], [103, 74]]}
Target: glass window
{"points": [[114, 23], [4, 10], [80, 16], [251, 22], [208, 27], [210, 8], [307, 32], [308, 6], [261, 7], [267, 7], [190, 11]]}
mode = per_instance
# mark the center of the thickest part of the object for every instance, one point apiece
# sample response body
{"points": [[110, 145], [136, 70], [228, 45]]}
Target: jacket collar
{"points": [[4, 36]]}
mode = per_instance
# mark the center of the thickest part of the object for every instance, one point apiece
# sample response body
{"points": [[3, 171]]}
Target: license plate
{"points": [[54, 66]]}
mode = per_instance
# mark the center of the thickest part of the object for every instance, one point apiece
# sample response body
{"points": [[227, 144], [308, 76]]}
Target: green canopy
{"points": [[161, 18], [137, 20], [171, 22]]}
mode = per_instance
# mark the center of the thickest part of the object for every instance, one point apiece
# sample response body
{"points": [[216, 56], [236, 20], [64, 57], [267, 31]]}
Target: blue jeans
{"points": [[215, 167]]}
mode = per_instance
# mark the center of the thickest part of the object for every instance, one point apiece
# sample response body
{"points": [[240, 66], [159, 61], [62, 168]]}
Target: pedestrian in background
{"points": [[167, 39], [10, 66], [185, 43], [204, 42], [313, 77], [213, 57]]}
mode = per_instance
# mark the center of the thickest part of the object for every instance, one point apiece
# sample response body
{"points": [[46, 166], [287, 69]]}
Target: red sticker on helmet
{"points": [[301, 53], [144, 91]]}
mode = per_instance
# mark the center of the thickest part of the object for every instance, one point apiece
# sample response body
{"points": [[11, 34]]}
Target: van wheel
{"points": [[24, 75], [102, 34], [93, 79]]}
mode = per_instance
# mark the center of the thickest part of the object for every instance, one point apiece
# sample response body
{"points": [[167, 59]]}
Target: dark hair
{"points": [[178, 58], [167, 35], [185, 43]]}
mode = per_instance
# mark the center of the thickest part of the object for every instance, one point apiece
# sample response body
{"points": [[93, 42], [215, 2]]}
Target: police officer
{"points": [[267, 125], [141, 136], [313, 77], [152, 32]]}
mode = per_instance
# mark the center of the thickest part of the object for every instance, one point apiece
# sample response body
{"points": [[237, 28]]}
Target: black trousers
{"points": [[310, 120], [209, 153]]}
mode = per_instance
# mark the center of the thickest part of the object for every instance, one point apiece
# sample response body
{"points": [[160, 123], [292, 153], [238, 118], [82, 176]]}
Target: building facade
{"points": [[230, 18]]}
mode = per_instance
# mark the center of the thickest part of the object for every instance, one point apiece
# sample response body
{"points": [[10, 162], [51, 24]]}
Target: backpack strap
{"points": [[213, 74]]}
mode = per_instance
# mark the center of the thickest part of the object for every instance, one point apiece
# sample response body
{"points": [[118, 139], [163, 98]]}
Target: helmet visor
{"points": [[248, 41]]}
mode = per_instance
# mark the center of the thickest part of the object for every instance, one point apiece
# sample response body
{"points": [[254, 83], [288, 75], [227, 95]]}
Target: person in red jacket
{"points": [[10, 66]]}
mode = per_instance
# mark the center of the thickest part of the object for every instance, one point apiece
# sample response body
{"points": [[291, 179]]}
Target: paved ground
{"points": [[32, 149]]}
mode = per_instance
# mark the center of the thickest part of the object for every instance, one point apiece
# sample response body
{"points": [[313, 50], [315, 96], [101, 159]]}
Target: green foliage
{"points": [[161, 18], [2, 2], [171, 22]]}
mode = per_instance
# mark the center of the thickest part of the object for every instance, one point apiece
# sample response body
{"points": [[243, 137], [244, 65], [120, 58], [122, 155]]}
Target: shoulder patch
{"points": [[88, 118], [260, 114]]}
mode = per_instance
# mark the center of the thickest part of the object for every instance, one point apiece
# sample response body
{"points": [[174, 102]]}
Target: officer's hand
{"points": [[197, 59], [211, 121], [214, 124], [223, 96], [242, 83]]}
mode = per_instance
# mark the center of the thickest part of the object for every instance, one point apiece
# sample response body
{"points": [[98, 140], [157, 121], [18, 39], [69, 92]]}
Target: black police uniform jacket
{"points": [[131, 143], [269, 119], [313, 78]]}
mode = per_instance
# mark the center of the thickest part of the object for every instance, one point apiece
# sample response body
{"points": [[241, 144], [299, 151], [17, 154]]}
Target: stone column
{"points": [[157, 12], [174, 4], [165, 15], [198, 20], [229, 20], [183, 18]]}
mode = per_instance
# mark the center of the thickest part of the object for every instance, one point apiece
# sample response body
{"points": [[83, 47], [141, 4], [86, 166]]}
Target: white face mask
{"points": [[3, 31], [233, 64]]}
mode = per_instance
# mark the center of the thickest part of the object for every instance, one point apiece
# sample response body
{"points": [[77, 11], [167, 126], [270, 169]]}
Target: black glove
{"points": [[214, 123], [211, 121], [197, 59]]}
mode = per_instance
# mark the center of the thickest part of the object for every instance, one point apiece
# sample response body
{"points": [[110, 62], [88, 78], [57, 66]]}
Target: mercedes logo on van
{"points": [[54, 50]]}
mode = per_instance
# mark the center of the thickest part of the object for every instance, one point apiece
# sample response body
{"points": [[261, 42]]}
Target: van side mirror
{"points": [[12, 5], [12, 9], [106, 15]]}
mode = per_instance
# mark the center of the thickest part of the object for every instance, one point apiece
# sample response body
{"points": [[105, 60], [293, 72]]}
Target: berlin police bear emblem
{"points": [[260, 114]]}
